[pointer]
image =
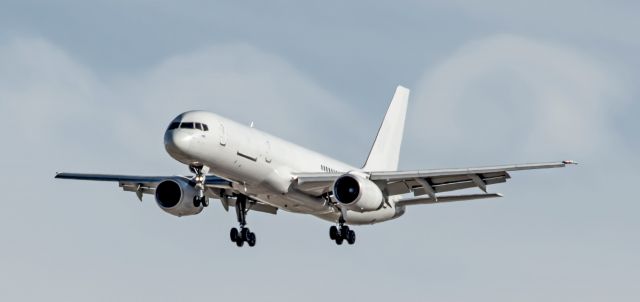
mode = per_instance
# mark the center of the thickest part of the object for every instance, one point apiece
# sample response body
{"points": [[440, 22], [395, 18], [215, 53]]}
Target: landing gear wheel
{"points": [[339, 240], [234, 235], [251, 239], [196, 202], [240, 242], [344, 231], [351, 237], [205, 202], [333, 232], [244, 234]]}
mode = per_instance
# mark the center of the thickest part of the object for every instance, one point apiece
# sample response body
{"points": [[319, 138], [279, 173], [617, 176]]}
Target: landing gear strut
{"points": [[199, 180], [243, 234], [342, 233]]}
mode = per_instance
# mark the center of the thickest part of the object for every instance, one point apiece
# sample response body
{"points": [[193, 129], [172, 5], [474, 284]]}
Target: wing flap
{"points": [[440, 185], [440, 199], [256, 205]]}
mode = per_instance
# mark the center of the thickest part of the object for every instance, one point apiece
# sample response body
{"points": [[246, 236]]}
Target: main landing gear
{"points": [[243, 234], [199, 180], [342, 233]]}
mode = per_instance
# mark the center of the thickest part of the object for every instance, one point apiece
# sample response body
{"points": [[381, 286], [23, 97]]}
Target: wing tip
{"points": [[569, 162]]}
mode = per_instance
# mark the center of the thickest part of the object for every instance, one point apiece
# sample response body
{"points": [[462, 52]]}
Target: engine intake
{"points": [[175, 196], [357, 193]]}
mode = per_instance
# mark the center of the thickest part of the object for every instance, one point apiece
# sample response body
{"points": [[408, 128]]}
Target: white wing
{"points": [[426, 182], [141, 184], [147, 185]]}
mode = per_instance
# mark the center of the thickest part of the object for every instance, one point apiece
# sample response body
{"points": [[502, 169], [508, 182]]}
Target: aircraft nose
{"points": [[177, 143]]}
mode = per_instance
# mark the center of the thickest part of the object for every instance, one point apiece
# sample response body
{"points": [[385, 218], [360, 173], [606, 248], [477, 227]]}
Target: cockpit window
{"points": [[199, 126], [174, 126], [186, 125]]}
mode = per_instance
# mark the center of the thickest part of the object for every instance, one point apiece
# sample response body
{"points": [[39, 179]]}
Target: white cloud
{"points": [[505, 92], [48, 97], [38, 81], [245, 84]]}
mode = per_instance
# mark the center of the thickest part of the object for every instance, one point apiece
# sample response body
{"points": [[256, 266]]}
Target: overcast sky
{"points": [[91, 86]]}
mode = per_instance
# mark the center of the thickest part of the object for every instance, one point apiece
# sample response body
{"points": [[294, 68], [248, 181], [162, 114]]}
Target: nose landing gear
{"points": [[199, 181]]}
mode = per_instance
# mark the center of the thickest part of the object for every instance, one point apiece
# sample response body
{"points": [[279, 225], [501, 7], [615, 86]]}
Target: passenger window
{"points": [[205, 127], [174, 126], [187, 125]]}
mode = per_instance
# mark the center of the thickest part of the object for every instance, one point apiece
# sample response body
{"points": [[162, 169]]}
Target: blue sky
{"points": [[91, 86]]}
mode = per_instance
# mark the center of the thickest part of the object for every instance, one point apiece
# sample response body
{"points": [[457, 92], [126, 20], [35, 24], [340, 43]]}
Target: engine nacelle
{"points": [[357, 193], [175, 196]]}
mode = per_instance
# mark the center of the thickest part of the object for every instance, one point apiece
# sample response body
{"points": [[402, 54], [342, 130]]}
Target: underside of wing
{"points": [[315, 184], [440, 184]]}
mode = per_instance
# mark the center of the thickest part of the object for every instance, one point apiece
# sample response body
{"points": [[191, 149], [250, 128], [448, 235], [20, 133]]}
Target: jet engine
{"points": [[357, 193], [175, 196]]}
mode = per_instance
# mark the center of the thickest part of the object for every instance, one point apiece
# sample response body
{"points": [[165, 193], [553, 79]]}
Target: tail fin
{"points": [[385, 153]]}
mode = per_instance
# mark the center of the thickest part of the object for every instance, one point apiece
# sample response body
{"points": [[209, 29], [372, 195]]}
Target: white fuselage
{"points": [[261, 165]]}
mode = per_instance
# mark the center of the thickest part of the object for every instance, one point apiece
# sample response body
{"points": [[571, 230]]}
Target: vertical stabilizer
{"points": [[385, 153]]}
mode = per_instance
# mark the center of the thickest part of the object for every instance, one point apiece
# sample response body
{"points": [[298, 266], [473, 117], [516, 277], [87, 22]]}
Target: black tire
{"points": [[351, 237], [344, 231], [234, 235], [196, 202], [251, 240], [244, 234], [205, 202], [339, 240], [240, 243], [333, 232]]}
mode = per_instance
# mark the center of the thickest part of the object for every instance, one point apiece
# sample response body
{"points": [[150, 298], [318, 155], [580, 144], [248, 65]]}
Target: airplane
{"points": [[250, 170]]}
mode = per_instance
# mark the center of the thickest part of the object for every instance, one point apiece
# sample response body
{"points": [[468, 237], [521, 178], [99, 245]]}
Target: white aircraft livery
{"points": [[250, 170]]}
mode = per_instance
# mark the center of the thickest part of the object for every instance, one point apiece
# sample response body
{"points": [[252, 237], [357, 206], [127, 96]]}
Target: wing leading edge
{"points": [[142, 184]]}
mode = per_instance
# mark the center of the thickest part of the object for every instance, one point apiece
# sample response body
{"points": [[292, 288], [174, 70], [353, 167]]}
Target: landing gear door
{"points": [[222, 134]]}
